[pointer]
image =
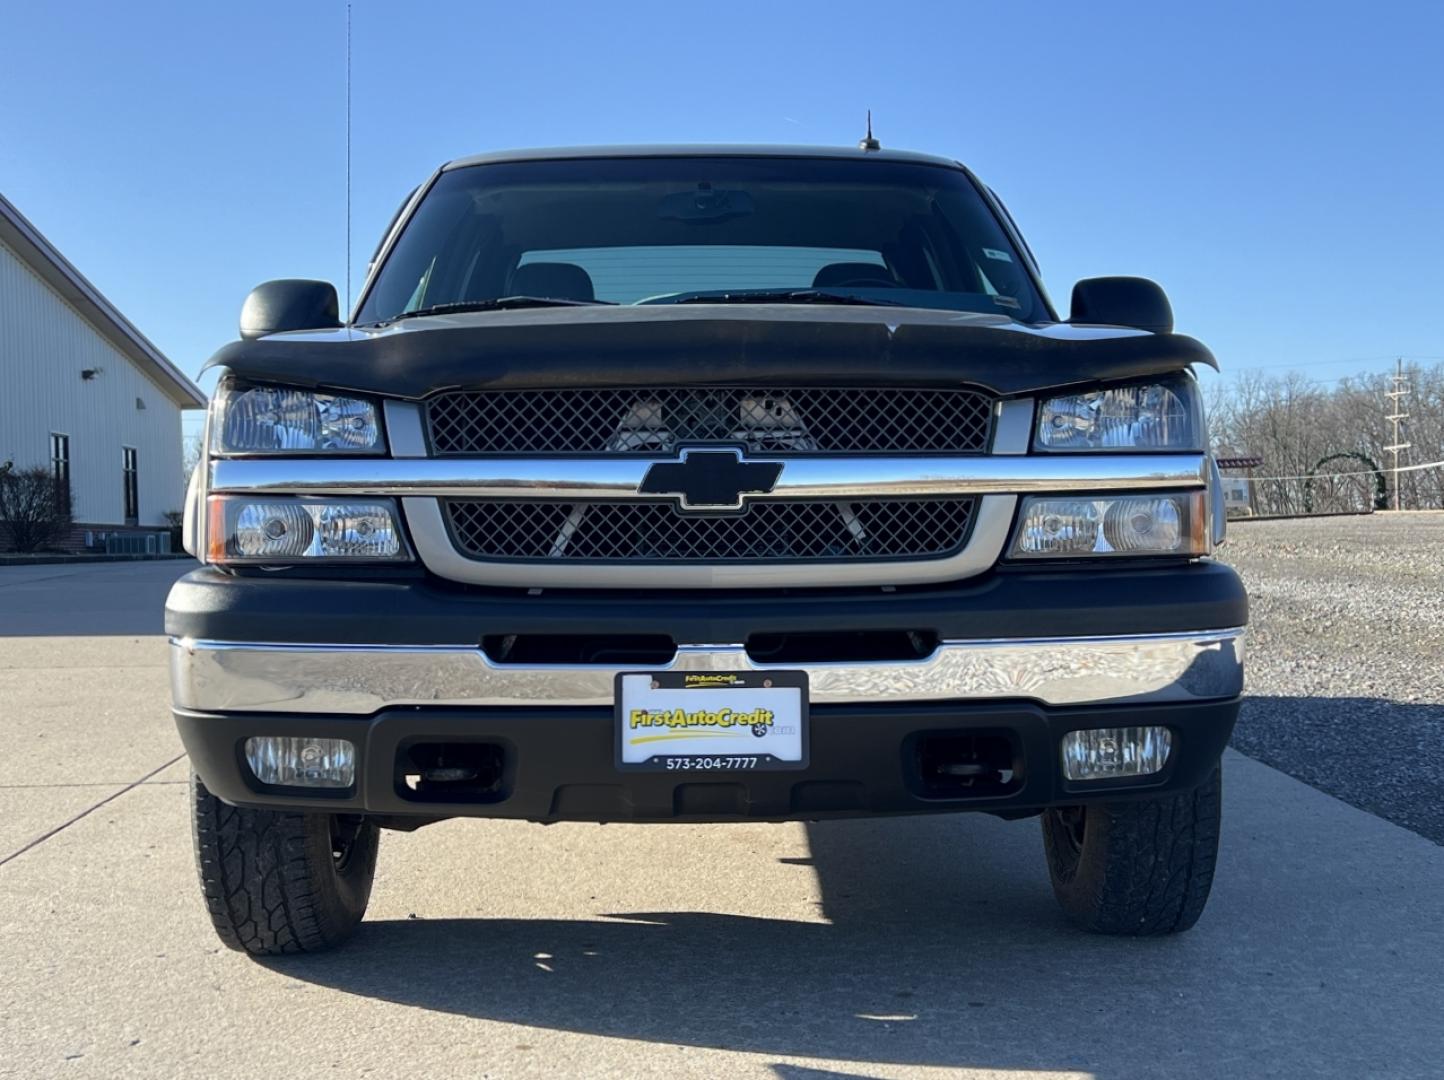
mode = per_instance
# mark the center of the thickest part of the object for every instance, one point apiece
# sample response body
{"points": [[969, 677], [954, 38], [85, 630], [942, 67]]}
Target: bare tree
{"points": [[190, 454], [1294, 424], [33, 507]]}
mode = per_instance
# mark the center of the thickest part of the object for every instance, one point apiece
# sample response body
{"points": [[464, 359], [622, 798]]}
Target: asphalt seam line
{"points": [[80, 569], [89, 810], [98, 783]]}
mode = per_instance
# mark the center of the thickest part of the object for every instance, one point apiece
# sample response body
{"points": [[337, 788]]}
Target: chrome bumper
{"points": [[224, 676]]}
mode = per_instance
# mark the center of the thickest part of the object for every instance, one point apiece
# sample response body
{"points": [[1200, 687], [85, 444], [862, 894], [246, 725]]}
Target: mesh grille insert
{"points": [[778, 419], [655, 531]]}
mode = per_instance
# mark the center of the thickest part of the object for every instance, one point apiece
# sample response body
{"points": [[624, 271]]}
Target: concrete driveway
{"points": [[918, 947]]}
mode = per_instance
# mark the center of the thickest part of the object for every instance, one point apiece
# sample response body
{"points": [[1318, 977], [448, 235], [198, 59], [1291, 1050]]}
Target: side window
{"points": [[60, 467], [131, 470]]}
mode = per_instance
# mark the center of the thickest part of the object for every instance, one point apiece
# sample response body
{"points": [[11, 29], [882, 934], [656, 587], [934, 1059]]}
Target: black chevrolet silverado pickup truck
{"points": [[703, 484]]}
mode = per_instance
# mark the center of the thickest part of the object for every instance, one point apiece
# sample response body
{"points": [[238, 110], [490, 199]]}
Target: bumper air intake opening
{"points": [[965, 764], [450, 772], [624, 649], [818, 647]]}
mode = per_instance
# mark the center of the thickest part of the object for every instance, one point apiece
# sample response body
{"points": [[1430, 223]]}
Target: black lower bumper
{"points": [[558, 765], [1019, 602], [556, 762]]}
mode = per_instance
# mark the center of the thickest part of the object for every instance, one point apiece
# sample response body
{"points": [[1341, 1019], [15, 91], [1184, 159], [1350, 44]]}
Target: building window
{"points": [[60, 468], [132, 486]]}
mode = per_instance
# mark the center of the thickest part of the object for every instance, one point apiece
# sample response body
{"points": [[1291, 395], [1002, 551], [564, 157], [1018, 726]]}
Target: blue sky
{"points": [[1279, 168]]}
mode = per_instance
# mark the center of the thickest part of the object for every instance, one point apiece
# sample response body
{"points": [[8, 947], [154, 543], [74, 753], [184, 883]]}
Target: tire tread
{"points": [[1146, 867], [267, 877]]}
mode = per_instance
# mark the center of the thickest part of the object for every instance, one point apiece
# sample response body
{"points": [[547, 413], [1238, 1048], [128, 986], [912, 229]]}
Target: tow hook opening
{"points": [[967, 764], [450, 772], [619, 649]]}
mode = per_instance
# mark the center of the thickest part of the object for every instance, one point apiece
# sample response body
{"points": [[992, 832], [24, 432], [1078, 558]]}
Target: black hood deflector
{"points": [[813, 348]]}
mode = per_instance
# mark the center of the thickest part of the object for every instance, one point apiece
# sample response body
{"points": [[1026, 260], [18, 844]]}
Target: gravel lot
{"points": [[1346, 658]]}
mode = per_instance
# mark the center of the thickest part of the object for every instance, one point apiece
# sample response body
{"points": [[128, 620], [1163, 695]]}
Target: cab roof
{"points": [[573, 153]]}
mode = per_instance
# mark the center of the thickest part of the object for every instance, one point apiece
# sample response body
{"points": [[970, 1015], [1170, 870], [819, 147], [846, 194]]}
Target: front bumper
{"points": [[1135, 655], [359, 680]]}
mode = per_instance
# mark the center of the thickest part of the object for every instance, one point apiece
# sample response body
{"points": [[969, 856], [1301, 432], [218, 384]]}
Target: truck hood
{"points": [[656, 345]]}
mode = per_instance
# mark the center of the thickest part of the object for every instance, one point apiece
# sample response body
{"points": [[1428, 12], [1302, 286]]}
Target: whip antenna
{"points": [[348, 160], [867, 142]]}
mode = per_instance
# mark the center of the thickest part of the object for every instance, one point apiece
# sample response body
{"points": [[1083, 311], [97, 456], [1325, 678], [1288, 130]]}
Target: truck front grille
{"points": [[774, 530], [774, 420]]}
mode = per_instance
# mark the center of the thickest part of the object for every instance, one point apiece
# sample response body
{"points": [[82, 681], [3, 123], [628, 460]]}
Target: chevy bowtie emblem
{"points": [[711, 479]]}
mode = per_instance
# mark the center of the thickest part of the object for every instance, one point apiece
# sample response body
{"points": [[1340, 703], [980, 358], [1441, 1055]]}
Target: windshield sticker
{"points": [[1006, 301], [996, 255]]}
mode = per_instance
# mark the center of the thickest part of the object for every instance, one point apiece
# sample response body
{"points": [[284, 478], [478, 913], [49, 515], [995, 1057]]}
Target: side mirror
{"points": [[1122, 301], [289, 304]]}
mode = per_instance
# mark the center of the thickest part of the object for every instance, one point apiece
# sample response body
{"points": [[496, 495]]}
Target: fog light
{"points": [[1104, 753], [292, 762]]}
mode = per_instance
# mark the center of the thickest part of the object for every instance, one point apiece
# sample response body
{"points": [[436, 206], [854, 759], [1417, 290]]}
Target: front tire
{"points": [[280, 882], [1142, 867]]}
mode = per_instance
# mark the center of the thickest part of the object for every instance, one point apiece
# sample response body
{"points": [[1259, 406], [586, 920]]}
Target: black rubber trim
{"points": [[1078, 600], [560, 765]]}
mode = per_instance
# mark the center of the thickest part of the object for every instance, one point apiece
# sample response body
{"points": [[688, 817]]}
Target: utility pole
{"points": [[1401, 390]]}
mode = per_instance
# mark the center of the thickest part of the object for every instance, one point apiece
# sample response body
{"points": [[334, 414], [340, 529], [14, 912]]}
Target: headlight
{"points": [[245, 529], [276, 420], [1142, 416], [1062, 527]]}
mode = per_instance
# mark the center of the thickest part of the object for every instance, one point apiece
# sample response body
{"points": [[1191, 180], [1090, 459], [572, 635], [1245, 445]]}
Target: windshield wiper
{"points": [[499, 303], [776, 296]]}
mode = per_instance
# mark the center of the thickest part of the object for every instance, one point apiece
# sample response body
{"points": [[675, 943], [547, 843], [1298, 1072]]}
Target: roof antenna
{"points": [[868, 142], [348, 160]]}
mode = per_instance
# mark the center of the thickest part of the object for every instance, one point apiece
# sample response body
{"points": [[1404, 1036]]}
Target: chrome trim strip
{"points": [[403, 429], [1013, 426], [1218, 506], [859, 477], [361, 679], [992, 522]]}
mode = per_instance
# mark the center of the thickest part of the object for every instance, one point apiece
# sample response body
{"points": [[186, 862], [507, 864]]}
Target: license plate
{"points": [[711, 721]]}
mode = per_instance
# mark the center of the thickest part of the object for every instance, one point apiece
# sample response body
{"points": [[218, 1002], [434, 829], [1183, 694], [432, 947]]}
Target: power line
{"points": [[1297, 366], [1229, 376], [1358, 377], [1317, 382], [1361, 472]]}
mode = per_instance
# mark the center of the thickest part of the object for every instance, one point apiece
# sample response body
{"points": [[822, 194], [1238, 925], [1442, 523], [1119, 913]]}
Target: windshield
{"points": [[685, 229]]}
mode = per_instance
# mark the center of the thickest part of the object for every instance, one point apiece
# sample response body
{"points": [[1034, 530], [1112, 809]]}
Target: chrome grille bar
{"points": [[582, 478]]}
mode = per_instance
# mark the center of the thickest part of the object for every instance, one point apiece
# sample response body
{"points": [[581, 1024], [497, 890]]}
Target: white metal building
{"points": [[83, 392]]}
